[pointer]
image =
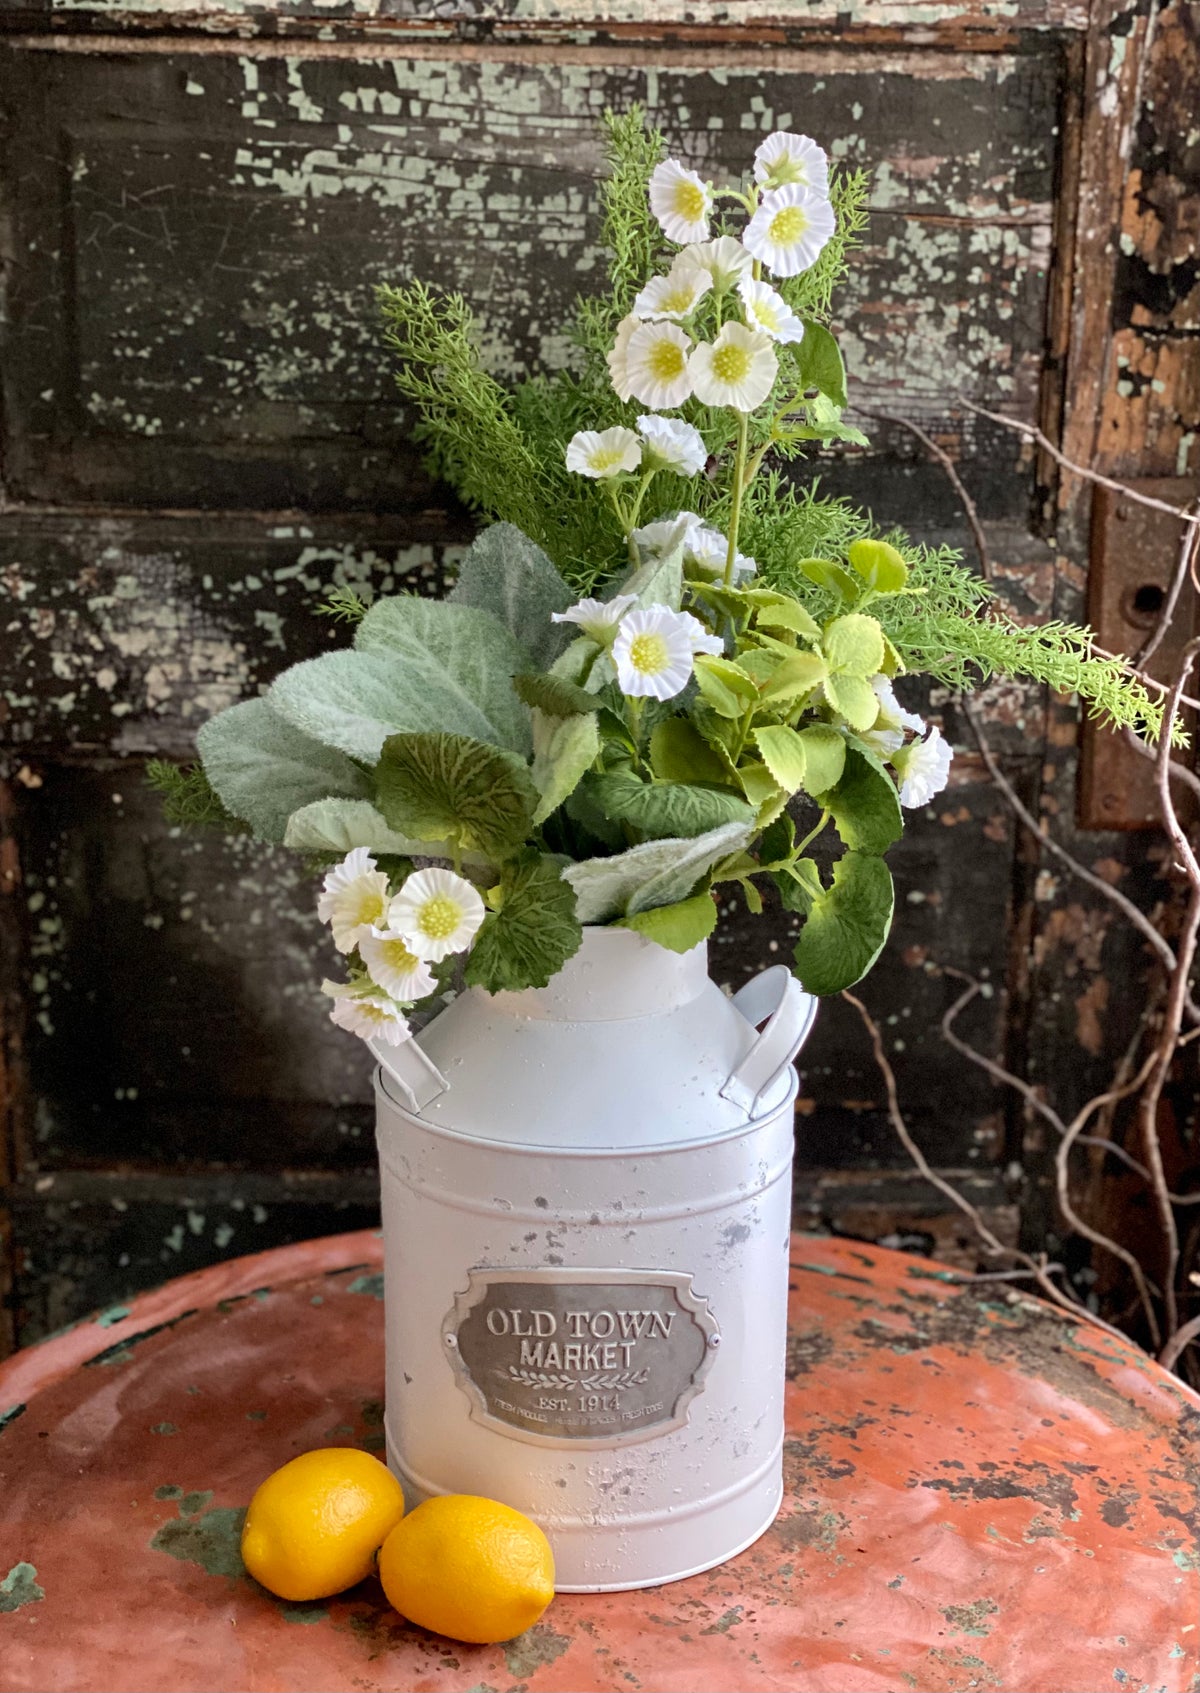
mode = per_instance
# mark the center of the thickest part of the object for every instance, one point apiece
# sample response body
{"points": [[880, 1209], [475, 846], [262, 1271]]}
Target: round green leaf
{"points": [[880, 565], [678, 927], [847, 925], [532, 934], [865, 805], [449, 787]]}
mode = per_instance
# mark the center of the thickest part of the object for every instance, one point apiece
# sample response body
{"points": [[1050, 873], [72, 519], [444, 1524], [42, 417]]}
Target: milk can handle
{"points": [[419, 1078], [777, 996]]}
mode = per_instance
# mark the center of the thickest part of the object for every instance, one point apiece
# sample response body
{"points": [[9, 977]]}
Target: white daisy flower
{"points": [[617, 359], [724, 260], [656, 365], [437, 912], [768, 311], [673, 445], [355, 898], [366, 1011], [597, 618], [654, 648], [923, 768], [654, 537], [707, 550], [675, 295], [681, 201], [603, 453], [789, 229], [737, 369], [784, 158], [396, 968]]}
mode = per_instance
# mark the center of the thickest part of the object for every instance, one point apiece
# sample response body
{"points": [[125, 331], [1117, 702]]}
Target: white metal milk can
{"points": [[586, 1212]]}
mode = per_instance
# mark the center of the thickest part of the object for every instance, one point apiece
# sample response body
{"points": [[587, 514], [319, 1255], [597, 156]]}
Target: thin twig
{"points": [[1182, 1337], [1124, 905], [1032, 433], [970, 510], [992, 1244]]}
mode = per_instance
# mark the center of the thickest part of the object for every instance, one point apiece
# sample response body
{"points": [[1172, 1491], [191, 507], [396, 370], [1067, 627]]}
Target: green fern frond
{"points": [[188, 798], [344, 605]]}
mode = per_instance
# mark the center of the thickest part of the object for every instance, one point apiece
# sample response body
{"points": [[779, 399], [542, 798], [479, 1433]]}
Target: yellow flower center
{"points": [[679, 298], [787, 226], [690, 201], [786, 169], [439, 917], [666, 361], [731, 363], [648, 654], [399, 957], [369, 905], [765, 314], [605, 457]]}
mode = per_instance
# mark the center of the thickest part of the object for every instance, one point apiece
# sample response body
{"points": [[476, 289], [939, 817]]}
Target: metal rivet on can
{"points": [[451, 1340], [714, 1340]]}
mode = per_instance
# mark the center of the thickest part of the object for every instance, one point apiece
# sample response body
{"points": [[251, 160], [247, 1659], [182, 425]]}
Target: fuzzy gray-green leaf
{"points": [[263, 769]]}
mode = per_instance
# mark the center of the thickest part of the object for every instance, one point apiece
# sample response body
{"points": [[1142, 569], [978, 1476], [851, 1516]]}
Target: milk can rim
{"points": [[543, 1149]]}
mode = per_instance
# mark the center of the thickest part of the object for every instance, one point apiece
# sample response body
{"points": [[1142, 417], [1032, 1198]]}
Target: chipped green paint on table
{"points": [[980, 1494]]}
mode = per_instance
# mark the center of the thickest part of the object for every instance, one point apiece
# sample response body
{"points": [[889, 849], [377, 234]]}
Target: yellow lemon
{"points": [[314, 1526], [468, 1568]]}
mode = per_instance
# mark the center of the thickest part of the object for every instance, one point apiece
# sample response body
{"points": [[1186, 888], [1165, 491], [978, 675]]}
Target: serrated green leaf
{"points": [[716, 692], [795, 676], [790, 615], [847, 926], [564, 748], [508, 575], [678, 927], [865, 805], [449, 787], [263, 769], [555, 695], [533, 933], [833, 577], [853, 699], [783, 754], [819, 363], [655, 873], [679, 753], [777, 841], [853, 645], [879, 564], [339, 825], [799, 885], [825, 757], [658, 809], [759, 786]]}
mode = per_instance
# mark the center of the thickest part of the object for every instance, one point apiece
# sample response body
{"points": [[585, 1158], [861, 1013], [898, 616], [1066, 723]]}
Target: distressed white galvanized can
{"points": [[586, 1211]]}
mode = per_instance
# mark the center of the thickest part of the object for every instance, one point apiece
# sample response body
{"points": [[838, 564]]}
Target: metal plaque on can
{"points": [[591, 1356]]}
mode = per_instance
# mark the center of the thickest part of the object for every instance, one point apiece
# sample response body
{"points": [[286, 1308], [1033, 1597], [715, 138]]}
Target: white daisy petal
{"points": [[656, 365], [366, 1011], [597, 618], [604, 453], [675, 295], [892, 714], [656, 537], [725, 261], [673, 445], [354, 899], [681, 201], [702, 640], [707, 551], [784, 157], [437, 912], [653, 652], [738, 369], [789, 229], [768, 312], [396, 968], [617, 359], [923, 768]]}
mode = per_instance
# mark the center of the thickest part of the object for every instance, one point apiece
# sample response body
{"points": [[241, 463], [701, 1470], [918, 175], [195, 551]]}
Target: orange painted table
{"points": [[980, 1495]]}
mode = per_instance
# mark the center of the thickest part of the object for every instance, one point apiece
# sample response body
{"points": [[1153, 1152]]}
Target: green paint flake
{"points": [[213, 1541], [169, 1491], [933, 1275], [164, 1428], [973, 1618], [256, 1416], [192, 1504], [304, 1614], [114, 1314], [372, 1286], [724, 1623], [20, 1587], [534, 1649], [10, 1416]]}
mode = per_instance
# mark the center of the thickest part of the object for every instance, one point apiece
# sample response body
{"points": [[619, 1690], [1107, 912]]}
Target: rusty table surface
{"points": [[980, 1494]]}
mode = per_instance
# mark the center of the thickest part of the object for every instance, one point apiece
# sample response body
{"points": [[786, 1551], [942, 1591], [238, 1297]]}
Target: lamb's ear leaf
{"points": [[339, 825], [655, 873], [507, 574], [449, 787], [263, 769]]}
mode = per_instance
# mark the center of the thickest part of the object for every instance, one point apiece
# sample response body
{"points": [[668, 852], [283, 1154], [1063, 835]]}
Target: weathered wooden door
{"points": [[200, 436]]}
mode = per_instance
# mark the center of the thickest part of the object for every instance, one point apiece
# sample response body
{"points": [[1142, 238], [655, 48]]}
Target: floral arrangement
{"points": [[668, 668]]}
